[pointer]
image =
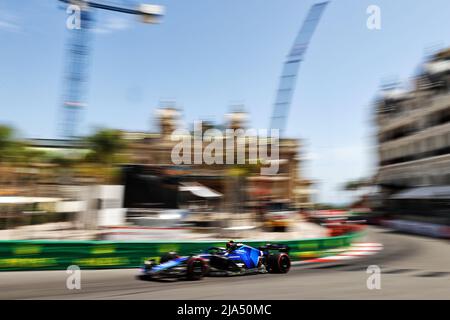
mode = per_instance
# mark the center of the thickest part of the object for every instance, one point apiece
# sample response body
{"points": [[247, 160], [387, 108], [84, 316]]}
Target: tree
{"points": [[8, 145], [357, 184], [105, 145]]}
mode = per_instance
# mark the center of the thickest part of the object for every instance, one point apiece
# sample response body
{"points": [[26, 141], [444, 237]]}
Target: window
{"points": [[430, 144]]}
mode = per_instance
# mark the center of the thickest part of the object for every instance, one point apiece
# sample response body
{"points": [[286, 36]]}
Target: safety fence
{"points": [[54, 255]]}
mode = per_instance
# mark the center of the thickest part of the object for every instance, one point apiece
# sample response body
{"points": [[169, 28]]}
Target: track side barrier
{"points": [[58, 255]]}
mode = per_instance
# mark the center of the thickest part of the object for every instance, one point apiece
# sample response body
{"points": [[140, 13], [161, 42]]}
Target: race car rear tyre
{"points": [[195, 268], [168, 256], [279, 263]]}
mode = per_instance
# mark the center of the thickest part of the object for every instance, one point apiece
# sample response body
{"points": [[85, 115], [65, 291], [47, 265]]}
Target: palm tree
{"points": [[8, 145], [10, 156], [356, 185], [105, 145]]}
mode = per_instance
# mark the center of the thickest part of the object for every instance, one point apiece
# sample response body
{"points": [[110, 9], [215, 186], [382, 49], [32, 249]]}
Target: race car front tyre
{"points": [[195, 268], [148, 265], [279, 263]]}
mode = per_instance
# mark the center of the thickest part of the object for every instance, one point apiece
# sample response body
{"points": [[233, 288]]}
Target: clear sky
{"points": [[210, 54]]}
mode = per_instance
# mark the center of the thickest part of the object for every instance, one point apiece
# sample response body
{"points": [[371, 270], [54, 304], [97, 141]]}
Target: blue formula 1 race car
{"points": [[235, 259]]}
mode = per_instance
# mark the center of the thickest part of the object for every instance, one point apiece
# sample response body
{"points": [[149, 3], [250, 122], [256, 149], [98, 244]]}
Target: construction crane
{"points": [[78, 51], [288, 77]]}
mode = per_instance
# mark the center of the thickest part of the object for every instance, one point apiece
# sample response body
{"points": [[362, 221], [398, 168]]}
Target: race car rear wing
{"points": [[277, 247]]}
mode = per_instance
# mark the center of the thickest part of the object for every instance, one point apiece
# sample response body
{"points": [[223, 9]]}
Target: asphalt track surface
{"points": [[413, 267]]}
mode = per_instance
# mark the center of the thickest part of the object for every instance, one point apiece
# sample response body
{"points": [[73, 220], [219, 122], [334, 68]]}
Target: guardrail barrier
{"points": [[58, 255]]}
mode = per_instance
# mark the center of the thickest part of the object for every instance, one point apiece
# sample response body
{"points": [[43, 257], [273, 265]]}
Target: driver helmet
{"points": [[231, 245]]}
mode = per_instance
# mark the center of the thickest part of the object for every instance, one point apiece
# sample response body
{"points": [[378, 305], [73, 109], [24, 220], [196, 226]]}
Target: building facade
{"points": [[238, 183], [413, 134], [149, 155], [413, 129]]}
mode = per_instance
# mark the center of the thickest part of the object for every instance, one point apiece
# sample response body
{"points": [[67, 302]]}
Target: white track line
{"points": [[357, 250]]}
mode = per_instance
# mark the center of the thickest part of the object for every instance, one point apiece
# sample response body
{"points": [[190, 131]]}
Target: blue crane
{"points": [[78, 50]]}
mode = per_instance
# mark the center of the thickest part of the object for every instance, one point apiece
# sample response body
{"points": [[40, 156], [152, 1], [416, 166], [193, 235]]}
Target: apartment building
{"points": [[414, 129], [413, 134]]}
